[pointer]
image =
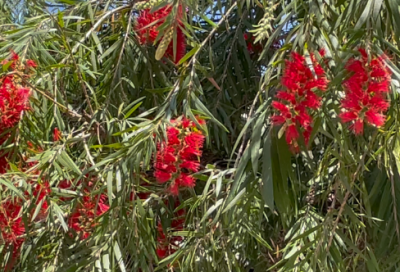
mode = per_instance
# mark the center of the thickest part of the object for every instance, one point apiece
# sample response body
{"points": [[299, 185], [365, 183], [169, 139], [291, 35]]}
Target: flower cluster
{"points": [[365, 92], [295, 104], [89, 207], [14, 98], [147, 28], [178, 156], [13, 95], [167, 245]]}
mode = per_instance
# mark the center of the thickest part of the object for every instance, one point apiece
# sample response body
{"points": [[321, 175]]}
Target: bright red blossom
{"points": [[299, 98], [365, 92], [147, 26], [179, 155]]}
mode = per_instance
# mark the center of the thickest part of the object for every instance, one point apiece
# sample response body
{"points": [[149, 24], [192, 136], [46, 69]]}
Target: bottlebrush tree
{"points": [[187, 135]]}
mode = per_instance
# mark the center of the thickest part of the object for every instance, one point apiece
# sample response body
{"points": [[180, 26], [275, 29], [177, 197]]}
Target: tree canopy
{"points": [[184, 135]]}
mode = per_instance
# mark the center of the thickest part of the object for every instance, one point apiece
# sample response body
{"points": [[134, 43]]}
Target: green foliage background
{"points": [[256, 205]]}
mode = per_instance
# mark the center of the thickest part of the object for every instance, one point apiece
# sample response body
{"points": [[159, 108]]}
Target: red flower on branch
{"points": [[179, 155], [365, 92], [299, 99], [147, 27]]}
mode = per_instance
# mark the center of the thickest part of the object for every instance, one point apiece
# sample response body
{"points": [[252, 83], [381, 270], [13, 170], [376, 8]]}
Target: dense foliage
{"points": [[188, 135]]}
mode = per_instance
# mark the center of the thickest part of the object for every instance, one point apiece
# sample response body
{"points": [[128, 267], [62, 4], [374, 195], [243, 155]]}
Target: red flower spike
{"points": [[13, 100], [364, 92], [178, 155], [147, 28], [295, 104]]}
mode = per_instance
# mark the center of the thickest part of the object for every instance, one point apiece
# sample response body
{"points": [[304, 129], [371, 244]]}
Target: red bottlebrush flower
{"points": [[13, 100], [180, 46], [312, 101], [174, 158], [304, 119], [186, 123], [56, 134], [31, 64], [289, 97], [298, 100], [148, 22], [147, 28], [363, 53], [364, 92], [190, 153], [358, 127]]}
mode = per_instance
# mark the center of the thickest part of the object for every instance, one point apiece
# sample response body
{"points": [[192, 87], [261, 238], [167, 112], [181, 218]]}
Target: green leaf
{"points": [[267, 186], [256, 141]]}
